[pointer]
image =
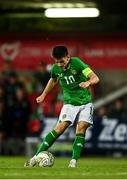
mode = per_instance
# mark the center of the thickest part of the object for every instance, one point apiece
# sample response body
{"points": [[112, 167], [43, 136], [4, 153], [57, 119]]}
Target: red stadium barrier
{"points": [[101, 52]]}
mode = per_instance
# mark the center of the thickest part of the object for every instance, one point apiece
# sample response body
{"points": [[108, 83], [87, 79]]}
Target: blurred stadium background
{"points": [[27, 37]]}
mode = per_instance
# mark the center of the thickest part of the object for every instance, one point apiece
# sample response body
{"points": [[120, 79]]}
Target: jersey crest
{"points": [[73, 71]]}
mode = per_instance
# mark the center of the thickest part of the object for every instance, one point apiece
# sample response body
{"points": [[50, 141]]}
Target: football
{"points": [[45, 159]]}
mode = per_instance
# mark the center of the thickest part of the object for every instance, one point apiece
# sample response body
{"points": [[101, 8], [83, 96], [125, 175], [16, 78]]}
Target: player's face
{"points": [[63, 62]]}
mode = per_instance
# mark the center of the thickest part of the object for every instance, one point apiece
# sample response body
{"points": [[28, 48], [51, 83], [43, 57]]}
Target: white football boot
{"points": [[72, 163], [32, 162]]}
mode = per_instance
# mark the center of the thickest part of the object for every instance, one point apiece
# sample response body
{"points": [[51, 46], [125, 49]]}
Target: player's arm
{"points": [[50, 85], [92, 78]]}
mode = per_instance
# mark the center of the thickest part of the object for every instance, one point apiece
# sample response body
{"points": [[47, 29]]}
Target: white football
{"points": [[45, 159]]}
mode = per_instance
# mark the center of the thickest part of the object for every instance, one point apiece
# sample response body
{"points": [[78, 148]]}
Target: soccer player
{"points": [[75, 78]]}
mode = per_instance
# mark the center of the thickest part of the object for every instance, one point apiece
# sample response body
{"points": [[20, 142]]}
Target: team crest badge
{"points": [[73, 71], [64, 116]]}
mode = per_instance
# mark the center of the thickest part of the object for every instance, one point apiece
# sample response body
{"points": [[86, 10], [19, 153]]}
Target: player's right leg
{"points": [[31, 162], [48, 141], [52, 136]]}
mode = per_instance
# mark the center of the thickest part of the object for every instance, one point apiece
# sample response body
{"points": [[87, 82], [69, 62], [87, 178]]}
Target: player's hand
{"points": [[40, 99], [84, 84]]}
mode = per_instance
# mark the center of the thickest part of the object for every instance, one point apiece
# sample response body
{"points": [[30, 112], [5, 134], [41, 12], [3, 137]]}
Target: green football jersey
{"points": [[70, 78]]}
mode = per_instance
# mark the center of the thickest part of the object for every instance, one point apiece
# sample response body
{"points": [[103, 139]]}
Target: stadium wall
{"points": [[99, 51], [105, 137]]}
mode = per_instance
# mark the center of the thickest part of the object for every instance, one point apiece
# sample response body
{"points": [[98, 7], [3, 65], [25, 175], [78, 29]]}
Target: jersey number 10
{"points": [[70, 79]]}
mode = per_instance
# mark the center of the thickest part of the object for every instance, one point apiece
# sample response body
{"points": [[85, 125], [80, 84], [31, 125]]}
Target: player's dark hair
{"points": [[59, 52]]}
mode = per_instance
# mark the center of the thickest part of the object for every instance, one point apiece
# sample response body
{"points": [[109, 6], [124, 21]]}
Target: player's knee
{"points": [[60, 128], [82, 127], [81, 130]]}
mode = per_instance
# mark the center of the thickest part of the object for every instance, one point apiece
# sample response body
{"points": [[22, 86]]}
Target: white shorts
{"points": [[77, 113]]}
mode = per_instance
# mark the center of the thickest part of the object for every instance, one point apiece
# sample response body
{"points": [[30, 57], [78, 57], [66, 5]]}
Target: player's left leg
{"points": [[79, 142], [84, 120]]}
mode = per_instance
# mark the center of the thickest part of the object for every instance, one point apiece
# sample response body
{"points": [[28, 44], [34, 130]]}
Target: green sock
{"points": [[48, 141], [78, 145]]}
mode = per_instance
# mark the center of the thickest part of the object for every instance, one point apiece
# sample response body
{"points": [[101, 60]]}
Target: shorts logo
{"points": [[64, 116]]}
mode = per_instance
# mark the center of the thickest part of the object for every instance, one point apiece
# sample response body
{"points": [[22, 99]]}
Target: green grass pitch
{"points": [[88, 168]]}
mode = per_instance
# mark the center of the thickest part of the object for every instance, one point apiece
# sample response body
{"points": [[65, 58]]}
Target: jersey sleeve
{"points": [[80, 64], [86, 71], [53, 73], [82, 67]]}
